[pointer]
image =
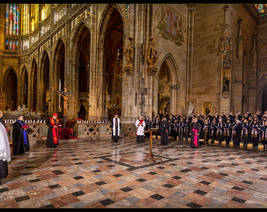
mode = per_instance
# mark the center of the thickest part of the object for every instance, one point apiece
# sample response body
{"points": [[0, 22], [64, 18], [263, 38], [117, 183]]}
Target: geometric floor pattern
{"points": [[102, 174]]}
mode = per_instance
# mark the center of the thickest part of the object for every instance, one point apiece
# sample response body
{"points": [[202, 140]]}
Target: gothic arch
{"points": [[24, 78], [33, 86], [103, 27], [81, 53], [58, 73], [44, 81], [169, 61], [10, 87]]}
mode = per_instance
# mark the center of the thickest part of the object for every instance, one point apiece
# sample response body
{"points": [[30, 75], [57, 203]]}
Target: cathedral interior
{"points": [[88, 62]]}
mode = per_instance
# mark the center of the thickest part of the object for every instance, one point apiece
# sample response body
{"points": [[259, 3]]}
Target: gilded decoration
{"points": [[206, 108], [172, 26]]}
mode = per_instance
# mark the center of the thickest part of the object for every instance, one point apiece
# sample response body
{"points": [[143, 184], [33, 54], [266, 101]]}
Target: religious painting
{"points": [[206, 108], [172, 26]]}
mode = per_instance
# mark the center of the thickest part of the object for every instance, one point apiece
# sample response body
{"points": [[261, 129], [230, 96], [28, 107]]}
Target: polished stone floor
{"points": [[99, 173]]}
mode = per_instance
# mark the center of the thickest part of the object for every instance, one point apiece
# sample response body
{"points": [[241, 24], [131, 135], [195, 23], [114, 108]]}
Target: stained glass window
{"points": [[12, 19], [11, 44], [261, 8], [25, 19]]}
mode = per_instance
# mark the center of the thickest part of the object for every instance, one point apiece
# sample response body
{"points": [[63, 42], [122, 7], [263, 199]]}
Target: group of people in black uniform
{"points": [[246, 128]]}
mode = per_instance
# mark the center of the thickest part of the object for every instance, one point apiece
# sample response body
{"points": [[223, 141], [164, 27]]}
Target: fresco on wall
{"points": [[172, 26]]}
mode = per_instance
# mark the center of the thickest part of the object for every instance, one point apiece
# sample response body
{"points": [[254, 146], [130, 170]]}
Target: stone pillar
{"points": [[189, 56]]}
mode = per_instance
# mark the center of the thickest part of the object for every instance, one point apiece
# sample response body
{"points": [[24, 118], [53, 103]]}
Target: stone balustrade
{"points": [[38, 129]]}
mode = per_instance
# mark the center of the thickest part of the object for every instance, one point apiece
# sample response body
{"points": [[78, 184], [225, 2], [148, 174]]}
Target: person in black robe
{"points": [[244, 133], [164, 132], [264, 136], [195, 133], [181, 131], [237, 133], [20, 137], [219, 131], [255, 133], [115, 126], [206, 132], [228, 131], [213, 130], [52, 137]]}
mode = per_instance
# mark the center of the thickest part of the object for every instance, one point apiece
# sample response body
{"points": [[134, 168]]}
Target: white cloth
{"points": [[114, 126], [4, 144], [140, 128]]}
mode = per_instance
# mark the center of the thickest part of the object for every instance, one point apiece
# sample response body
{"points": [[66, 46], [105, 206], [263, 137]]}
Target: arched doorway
{"points": [[34, 85], [164, 89], [24, 88], [83, 61], [112, 67], [264, 100], [45, 79], [10, 88], [59, 77]]}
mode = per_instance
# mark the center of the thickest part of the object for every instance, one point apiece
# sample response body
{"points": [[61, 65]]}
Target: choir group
{"points": [[246, 128]]}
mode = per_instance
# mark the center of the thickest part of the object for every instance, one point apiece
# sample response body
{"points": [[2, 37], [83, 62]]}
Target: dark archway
{"points": [[264, 100], [10, 88], [83, 64], [164, 89], [34, 85], [59, 76], [45, 76], [113, 55], [82, 112], [25, 86]]}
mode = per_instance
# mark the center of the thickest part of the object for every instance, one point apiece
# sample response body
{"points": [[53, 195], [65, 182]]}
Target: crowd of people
{"points": [[246, 128]]}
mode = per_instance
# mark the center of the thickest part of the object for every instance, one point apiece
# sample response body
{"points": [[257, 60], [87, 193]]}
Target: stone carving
{"points": [[191, 108], [129, 53], [172, 26], [225, 49], [152, 56]]}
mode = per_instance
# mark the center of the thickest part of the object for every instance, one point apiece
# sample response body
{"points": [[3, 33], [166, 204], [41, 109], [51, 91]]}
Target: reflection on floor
{"points": [[100, 173]]}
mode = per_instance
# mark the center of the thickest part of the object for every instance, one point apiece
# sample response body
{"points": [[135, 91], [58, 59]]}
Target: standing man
{"points": [[237, 128], [140, 124], [116, 127], [52, 137], [164, 132], [4, 151], [264, 136], [20, 137]]}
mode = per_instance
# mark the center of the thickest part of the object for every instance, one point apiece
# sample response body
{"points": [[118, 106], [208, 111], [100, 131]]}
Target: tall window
{"points": [[45, 11], [34, 16], [12, 19], [25, 19], [11, 44]]}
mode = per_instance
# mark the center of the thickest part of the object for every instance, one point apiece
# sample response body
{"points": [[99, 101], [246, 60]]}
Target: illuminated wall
{"points": [[34, 17], [45, 11], [25, 19]]}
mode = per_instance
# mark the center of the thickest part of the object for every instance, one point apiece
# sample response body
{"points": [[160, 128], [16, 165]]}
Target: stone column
{"points": [[189, 56]]}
